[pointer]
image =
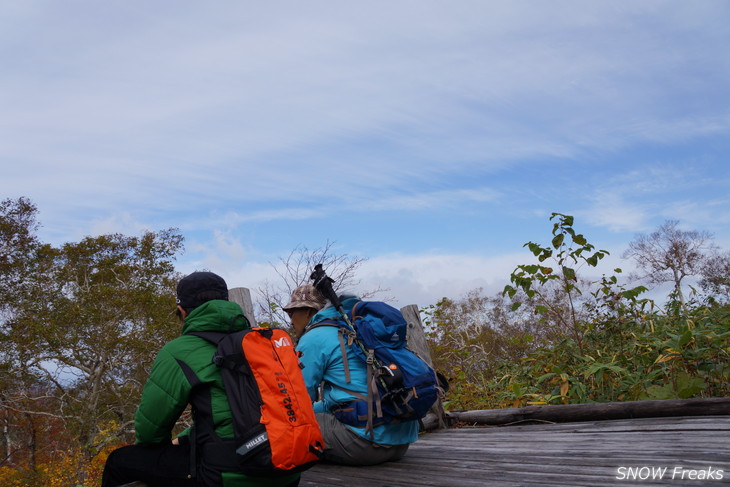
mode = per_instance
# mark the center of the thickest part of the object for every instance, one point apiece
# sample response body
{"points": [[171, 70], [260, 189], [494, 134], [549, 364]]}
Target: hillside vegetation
{"points": [[554, 337]]}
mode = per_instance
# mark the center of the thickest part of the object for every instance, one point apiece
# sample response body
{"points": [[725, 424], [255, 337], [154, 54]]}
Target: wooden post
{"points": [[242, 296], [417, 342]]}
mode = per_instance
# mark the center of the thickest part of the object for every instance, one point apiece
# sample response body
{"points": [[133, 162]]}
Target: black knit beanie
{"points": [[200, 287]]}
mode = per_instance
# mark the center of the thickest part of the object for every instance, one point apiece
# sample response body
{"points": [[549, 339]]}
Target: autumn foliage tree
{"points": [[80, 334]]}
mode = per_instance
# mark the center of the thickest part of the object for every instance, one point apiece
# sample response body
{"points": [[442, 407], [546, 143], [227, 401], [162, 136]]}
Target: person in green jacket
{"points": [[183, 374]]}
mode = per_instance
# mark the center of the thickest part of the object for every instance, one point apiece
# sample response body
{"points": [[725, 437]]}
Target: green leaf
{"points": [[531, 269], [534, 248], [545, 377], [632, 293], [547, 253], [509, 291], [659, 392], [684, 339], [558, 241], [688, 386], [569, 273]]}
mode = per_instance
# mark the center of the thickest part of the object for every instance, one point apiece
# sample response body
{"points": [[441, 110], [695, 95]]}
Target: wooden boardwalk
{"points": [[568, 454]]}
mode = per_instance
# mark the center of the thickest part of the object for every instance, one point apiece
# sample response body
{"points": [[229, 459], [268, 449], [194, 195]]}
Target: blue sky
{"points": [[432, 138]]}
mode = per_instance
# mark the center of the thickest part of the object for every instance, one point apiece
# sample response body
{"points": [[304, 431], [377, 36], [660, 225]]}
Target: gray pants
{"points": [[345, 447]]}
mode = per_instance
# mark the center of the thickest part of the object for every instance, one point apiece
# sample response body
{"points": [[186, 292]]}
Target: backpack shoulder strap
{"points": [[213, 337], [235, 361], [353, 312], [334, 323], [346, 337]]}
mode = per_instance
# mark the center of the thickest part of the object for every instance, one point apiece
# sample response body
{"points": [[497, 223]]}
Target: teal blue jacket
{"points": [[322, 360]]}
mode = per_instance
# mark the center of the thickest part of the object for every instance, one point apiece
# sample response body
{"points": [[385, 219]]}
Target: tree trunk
{"points": [[32, 443], [8, 441]]}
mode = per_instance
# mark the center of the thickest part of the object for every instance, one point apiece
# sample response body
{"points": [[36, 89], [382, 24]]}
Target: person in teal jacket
{"points": [[323, 363], [183, 374]]}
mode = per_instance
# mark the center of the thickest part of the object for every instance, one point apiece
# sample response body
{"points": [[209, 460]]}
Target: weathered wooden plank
{"points": [[692, 423], [476, 476], [588, 454], [242, 296], [416, 338], [643, 424]]}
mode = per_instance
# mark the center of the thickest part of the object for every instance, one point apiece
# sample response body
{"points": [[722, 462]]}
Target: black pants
{"points": [[158, 466]]}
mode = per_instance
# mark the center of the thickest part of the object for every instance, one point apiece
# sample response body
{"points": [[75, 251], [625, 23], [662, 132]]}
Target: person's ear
{"points": [[181, 313]]}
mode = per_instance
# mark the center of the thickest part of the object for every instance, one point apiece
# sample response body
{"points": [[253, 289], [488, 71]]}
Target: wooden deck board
{"points": [[567, 454]]}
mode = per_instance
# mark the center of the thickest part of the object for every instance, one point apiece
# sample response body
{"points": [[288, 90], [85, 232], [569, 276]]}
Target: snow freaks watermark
{"points": [[670, 473]]}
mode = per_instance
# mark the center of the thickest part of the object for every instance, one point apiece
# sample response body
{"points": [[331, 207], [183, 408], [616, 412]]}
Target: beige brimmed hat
{"points": [[306, 296]]}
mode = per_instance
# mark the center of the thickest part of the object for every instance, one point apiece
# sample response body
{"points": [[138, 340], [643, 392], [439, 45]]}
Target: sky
{"points": [[431, 138]]}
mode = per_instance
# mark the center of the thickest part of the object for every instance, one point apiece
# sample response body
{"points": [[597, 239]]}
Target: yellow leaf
{"points": [[665, 358], [564, 388]]}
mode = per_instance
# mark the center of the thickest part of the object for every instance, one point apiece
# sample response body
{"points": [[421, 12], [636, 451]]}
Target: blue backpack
{"points": [[401, 386]]}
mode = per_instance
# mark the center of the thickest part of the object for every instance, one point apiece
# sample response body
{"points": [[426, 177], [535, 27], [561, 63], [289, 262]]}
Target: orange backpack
{"points": [[276, 431]]}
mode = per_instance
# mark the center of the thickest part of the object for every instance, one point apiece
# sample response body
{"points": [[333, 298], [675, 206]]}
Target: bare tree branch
{"points": [[294, 270]]}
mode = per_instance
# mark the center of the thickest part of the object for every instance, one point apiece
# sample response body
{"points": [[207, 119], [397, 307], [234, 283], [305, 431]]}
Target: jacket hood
{"points": [[216, 315]]}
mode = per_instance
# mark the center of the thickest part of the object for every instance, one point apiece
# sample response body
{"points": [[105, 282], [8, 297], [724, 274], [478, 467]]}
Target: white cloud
{"points": [[425, 279], [122, 222], [614, 211], [640, 198], [221, 254]]}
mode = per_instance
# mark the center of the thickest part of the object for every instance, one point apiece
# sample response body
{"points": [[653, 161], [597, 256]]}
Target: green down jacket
{"points": [[183, 373]]}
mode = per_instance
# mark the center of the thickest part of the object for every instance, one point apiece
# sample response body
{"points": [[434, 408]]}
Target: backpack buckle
{"points": [[370, 360]]}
